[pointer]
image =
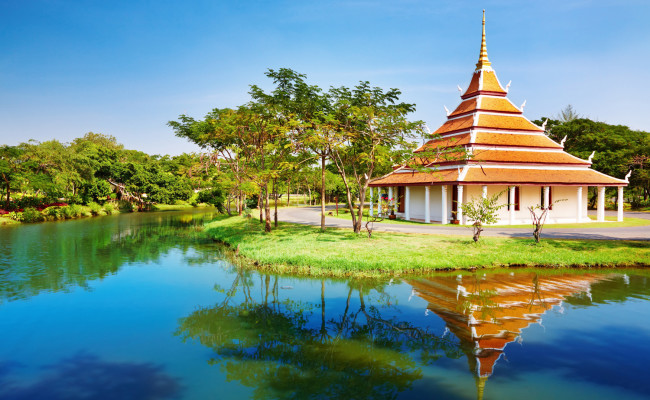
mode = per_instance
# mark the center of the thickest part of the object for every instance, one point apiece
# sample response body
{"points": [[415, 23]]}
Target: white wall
{"points": [[565, 211]]}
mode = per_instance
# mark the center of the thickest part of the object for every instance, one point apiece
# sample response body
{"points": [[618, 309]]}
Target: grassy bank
{"points": [[336, 252]]}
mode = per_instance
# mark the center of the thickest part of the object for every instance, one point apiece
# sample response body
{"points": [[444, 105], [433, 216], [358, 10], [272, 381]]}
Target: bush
{"points": [[214, 197], [53, 213], [95, 209], [180, 203], [32, 215], [71, 211], [109, 208], [127, 206]]}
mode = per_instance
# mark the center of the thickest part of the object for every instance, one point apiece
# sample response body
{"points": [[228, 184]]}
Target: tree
{"points": [[568, 114], [10, 167], [538, 215], [483, 211], [375, 134]]}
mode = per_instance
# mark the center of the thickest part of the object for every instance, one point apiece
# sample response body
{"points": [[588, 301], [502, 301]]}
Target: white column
{"points": [[546, 197], [427, 205], [379, 201], [620, 204], [444, 204], [579, 213], [390, 196], [600, 213], [459, 204], [511, 205], [370, 212], [407, 203], [484, 193]]}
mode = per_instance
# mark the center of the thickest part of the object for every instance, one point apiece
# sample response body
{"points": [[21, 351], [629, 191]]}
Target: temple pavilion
{"points": [[502, 151]]}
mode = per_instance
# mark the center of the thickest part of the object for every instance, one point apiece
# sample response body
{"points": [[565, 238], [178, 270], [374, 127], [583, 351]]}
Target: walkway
{"points": [[311, 216]]}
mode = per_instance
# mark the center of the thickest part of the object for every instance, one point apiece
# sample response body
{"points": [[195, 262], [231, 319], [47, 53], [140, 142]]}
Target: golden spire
{"points": [[483, 57]]}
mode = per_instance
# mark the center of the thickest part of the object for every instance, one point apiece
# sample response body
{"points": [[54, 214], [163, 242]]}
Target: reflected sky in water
{"points": [[141, 306]]}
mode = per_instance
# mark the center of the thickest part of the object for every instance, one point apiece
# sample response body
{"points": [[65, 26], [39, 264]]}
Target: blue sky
{"points": [[125, 68]]}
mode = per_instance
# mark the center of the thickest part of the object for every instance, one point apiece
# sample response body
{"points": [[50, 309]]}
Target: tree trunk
{"points": [[275, 196], [288, 192], [8, 193], [308, 188], [267, 211], [322, 193], [259, 205]]}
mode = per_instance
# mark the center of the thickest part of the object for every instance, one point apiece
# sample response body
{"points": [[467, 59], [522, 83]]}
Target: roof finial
{"points": [[483, 60]]}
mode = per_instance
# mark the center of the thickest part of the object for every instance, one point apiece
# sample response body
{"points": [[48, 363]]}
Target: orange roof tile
{"points": [[540, 176], [455, 125], [483, 81], [463, 107], [514, 122], [497, 104], [512, 139], [541, 157], [444, 142], [473, 84], [414, 178], [491, 83]]}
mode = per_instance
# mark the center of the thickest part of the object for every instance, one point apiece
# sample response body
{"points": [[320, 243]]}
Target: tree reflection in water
{"points": [[287, 349]]}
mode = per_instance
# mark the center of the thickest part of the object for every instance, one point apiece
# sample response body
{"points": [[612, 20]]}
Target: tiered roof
{"points": [[488, 140]]}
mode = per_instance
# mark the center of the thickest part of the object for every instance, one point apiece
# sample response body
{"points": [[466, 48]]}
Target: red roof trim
{"points": [[440, 183], [480, 92]]}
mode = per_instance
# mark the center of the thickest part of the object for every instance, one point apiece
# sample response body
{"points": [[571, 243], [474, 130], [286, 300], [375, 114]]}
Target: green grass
{"points": [[627, 222], [305, 249]]}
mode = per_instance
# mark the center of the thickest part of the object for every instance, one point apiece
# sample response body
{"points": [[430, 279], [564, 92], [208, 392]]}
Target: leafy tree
{"points": [[375, 134], [483, 211], [11, 167]]}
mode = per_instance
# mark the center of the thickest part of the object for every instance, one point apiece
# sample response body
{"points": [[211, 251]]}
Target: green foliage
{"points": [[483, 211], [95, 209], [214, 197], [109, 208], [53, 213], [72, 211], [32, 215]]}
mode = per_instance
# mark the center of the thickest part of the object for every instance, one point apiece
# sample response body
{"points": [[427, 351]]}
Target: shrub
{"points": [[180, 203], [71, 211], [109, 208], [32, 215], [127, 206], [53, 213], [95, 209], [213, 197]]}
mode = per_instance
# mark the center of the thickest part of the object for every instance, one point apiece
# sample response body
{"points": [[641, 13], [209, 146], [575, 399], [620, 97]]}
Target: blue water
{"points": [[139, 306]]}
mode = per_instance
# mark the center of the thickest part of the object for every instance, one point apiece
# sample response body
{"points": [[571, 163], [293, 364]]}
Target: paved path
{"points": [[311, 216]]}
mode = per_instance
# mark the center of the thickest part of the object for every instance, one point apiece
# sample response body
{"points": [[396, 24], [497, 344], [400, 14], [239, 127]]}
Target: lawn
{"points": [[338, 252]]}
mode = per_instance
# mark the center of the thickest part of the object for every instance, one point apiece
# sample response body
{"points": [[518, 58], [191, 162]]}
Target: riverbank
{"points": [[339, 252], [76, 211]]}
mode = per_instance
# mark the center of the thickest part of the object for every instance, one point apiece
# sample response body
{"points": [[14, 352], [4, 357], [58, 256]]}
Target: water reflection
{"points": [[362, 346], [62, 256], [487, 312], [85, 376], [314, 349]]}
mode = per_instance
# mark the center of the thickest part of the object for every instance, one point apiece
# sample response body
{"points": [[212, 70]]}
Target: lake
{"points": [[141, 306]]}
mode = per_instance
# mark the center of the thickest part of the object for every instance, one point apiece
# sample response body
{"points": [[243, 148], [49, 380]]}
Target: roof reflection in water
{"points": [[488, 311]]}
